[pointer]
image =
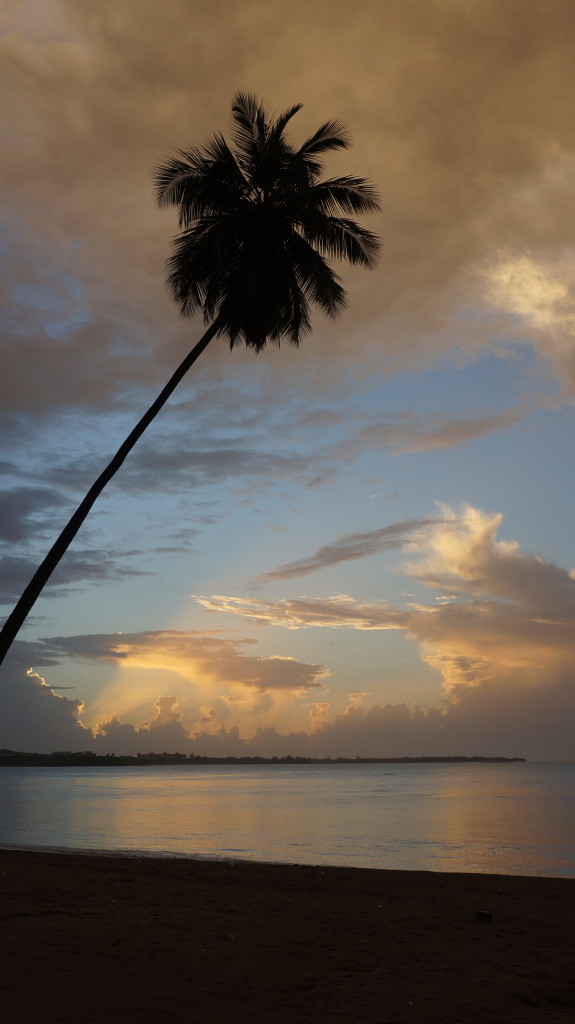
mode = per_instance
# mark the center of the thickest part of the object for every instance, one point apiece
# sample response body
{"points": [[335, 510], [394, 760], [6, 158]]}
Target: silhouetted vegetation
{"points": [[67, 758]]}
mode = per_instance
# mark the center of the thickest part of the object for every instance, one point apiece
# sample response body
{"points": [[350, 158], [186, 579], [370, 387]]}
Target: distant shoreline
{"points": [[78, 759]]}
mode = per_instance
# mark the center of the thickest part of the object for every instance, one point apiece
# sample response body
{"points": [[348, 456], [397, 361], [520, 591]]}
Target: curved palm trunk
{"points": [[16, 619]]}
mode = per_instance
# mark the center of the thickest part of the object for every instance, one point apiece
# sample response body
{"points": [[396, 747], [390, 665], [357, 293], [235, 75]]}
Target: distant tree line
{"points": [[68, 758]]}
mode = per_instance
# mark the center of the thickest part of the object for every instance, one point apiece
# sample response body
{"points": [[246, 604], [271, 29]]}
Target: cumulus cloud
{"points": [[502, 638], [470, 560], [164, 731], [536, 294], [239, 687], [491, 721], [34, 716]]}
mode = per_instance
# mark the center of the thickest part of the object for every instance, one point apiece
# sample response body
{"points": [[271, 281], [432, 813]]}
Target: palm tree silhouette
{"points": [[257, 231]]}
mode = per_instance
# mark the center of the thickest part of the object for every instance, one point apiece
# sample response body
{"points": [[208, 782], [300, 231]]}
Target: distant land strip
{"points": [[67, 758]]}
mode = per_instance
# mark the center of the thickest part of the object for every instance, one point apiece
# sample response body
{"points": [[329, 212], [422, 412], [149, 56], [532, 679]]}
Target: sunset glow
{"points": [[360, 548]]}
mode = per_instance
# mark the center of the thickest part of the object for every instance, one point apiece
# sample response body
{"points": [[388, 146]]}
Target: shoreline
{"points": [[169, 855], [91, 936]]}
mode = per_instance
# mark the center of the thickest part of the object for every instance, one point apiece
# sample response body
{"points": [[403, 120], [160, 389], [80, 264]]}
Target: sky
{"points": [[360, 548]]}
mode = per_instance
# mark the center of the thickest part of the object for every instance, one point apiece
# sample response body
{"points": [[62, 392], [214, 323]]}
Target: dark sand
{"points": [[108, 939]]}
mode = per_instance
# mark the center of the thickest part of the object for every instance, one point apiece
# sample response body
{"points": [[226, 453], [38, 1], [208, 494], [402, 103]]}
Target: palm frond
{"points": [[246, 108], [331, 135], [169, 178], [342, 239], [201, 183], [259, 229], [319, 282], [280, 124], [345, 195], [249, 120], [297, 315]]}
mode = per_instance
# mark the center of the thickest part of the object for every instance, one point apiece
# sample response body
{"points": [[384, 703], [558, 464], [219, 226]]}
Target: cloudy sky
{"points": [[364, 547]]}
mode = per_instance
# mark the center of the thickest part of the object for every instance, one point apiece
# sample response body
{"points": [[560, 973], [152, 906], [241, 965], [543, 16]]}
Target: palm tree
{"points": [[257, 232]]}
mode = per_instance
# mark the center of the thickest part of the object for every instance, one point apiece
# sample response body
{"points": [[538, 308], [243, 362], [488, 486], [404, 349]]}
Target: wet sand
{"points": [[110, 939]]}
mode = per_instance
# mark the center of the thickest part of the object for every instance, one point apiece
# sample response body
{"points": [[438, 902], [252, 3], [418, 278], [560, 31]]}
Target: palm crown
{"points": [[257, 231], [258, 228]]}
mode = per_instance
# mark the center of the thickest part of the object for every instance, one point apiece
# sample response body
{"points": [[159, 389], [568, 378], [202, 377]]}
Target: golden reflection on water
{"points": [[511, 818], [499, 821]]}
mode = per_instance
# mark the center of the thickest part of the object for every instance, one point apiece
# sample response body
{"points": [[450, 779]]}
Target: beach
{"points": [[93, 938]]}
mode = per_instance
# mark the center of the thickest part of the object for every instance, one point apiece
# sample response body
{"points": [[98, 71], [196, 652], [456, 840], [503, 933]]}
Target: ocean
{"points": [[502, 818]]}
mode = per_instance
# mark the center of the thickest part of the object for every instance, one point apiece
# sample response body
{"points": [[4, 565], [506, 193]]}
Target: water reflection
{"points": [[514, 818], [518, 820]]}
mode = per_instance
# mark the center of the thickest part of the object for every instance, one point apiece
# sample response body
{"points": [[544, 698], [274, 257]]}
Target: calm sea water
{"points": [[489, 818]]}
